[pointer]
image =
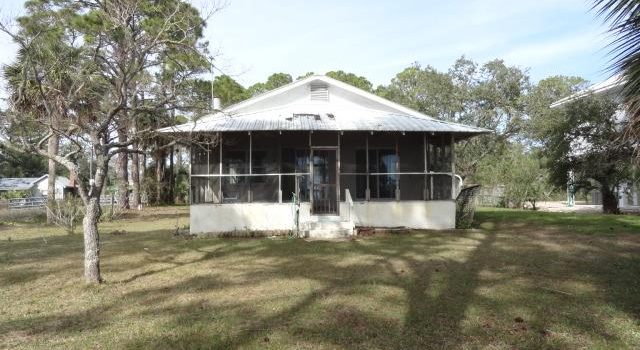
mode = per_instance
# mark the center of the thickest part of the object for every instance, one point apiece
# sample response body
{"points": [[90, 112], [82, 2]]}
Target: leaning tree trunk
{"points": [[92, 240], [609, 201], [52, 148], [122, 173]]}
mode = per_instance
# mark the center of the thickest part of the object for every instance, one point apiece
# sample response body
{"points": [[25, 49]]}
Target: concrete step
{"points": [[331, 233], [331, 225]]}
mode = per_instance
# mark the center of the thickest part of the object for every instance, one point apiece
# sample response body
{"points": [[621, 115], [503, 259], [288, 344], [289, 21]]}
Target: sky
{"points": [[377, 39]]}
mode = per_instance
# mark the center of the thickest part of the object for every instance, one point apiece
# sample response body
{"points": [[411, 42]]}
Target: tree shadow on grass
{"points": [[430, 290]]}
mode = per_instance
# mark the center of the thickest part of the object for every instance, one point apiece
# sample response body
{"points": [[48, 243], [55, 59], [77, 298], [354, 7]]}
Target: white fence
{"points": [[40, 202]]}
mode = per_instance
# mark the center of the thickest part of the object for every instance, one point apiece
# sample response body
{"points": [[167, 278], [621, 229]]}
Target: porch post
{"points": [[453, 168], [208, 192], [280, 167], [310, 172], [397, 169], [220, 178], [249, 194], [431, 181], [424, 146], [367, 191], [338, 172]]}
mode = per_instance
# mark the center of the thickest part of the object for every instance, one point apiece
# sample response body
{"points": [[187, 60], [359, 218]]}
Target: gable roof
{"points": [[346, 108], [19, 183]]}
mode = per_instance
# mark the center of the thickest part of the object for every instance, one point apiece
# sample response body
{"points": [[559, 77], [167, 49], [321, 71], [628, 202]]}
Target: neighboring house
{"points": [[34, 186], [321, 156], [629, 191]]}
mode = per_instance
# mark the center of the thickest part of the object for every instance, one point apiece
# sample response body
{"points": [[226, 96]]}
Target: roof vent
{"points": [[319, 92]]}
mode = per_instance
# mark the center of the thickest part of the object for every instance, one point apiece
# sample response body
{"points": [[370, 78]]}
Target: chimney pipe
{"points": [[216, 104]]}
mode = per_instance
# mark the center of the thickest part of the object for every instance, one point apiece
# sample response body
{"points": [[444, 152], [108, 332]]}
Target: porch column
{"points": [[280, 167], [397, 169], [453, 168], [338, 171], [367, 191], [208, 191], [250, 193], [220, 199], [425, 195]]}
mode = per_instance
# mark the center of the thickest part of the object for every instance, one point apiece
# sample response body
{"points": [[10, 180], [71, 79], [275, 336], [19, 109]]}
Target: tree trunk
{"points": [[178, 157], [172, 178], [92, 241], [609, 201], [52, 148], [159, 175], [122, 173], [135, 177]]}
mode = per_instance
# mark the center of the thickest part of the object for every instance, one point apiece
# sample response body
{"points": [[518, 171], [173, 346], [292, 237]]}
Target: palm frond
{"points": [[623, 17]]}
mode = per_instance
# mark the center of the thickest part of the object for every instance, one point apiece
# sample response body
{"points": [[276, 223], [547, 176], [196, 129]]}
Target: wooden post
{"points": [[367, 191], [453, 168], [424, 146], [397, 170], [220, 199], [249, 195]]}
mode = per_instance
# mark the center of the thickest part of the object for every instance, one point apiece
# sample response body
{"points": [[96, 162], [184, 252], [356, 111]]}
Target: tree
{"points": [[57, 80], [351, 79], [586, 140], [107, 47], [305, 75], [224, 87], [522, 173], [623, 16], [274, 81], [538, 102], [489, 96], [17, 164]]}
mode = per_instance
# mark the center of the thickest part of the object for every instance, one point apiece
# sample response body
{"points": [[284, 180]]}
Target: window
{"points": [[439, 157], [380, 161]]}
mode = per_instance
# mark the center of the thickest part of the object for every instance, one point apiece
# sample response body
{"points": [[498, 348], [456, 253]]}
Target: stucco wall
{"points": [[436, 215], [215, 218]]}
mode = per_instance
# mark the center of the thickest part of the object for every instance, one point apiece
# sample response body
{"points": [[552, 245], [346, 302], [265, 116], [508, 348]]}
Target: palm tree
{"points": [[624, 19]]}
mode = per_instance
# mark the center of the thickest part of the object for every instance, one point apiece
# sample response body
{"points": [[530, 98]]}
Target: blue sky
{"points": [[377, 39]]}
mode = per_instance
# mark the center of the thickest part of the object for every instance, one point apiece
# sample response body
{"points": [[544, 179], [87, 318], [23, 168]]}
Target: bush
{"points": [[66, 213]]}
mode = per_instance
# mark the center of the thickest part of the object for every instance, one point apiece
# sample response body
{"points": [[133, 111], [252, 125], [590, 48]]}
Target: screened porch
{"points": [[321, 167]]}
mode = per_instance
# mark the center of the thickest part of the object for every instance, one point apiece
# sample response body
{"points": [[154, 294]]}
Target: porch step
{"points": [[330, 227]]}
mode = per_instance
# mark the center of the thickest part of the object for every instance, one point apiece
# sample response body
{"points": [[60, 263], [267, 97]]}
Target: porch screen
{"points": [[251, 167], [390, 166]]}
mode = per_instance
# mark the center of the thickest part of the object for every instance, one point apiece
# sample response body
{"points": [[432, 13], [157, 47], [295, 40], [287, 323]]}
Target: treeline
{"points": [[525, 155]]}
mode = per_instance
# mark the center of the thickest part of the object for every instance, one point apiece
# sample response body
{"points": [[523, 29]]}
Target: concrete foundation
{"points": [[225, 218]]}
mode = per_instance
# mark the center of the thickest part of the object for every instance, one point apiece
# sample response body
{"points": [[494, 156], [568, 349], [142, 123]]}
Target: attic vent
{"points": [[319, 92]]}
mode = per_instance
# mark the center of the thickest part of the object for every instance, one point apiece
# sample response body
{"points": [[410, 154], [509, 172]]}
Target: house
{"points": [[628, 192], [321, 156], [34, 186]]}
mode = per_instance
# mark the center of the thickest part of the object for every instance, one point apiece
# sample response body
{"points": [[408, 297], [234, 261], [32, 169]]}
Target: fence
{"points": [[40, 202], [26, 203]]}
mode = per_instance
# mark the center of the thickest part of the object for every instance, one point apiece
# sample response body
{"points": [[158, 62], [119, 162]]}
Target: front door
{"points": [[324, 198]]}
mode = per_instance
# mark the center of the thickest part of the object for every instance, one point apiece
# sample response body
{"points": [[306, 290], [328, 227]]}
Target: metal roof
{"points": [[18, 183], [353, 120], [613, 83]]}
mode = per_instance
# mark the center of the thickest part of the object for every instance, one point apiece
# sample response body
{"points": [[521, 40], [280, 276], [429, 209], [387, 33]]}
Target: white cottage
{"points": [[34, 186], [321, 157]]}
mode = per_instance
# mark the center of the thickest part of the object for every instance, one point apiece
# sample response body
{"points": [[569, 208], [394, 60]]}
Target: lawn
{"points": [[519, 280]]}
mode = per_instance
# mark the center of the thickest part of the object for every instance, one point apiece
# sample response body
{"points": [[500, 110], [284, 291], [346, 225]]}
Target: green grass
{"points": [[572, 281]]}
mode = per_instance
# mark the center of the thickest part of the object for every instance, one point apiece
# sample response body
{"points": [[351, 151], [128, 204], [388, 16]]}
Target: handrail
{"points": [[349, 200]]}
